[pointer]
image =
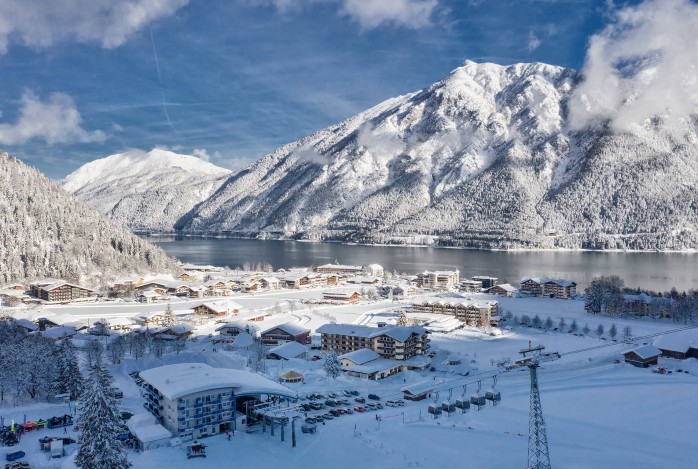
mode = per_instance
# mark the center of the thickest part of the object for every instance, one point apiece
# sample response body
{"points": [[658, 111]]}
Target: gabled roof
{"points": [[646, 351], [241, 325], [26, 324], [505, 287], [221, 306], [360, 356], [675, 343], [289, 327], [289, 350]]}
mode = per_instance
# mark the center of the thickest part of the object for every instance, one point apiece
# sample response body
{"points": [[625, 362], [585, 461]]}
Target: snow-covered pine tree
{"points": [[100, 423], [613, 331], [600, 330], [332, 366], [549, 323], [69, 376], [402, 319], [168, 319], [117, 349], [586, 329], [574, 327]]}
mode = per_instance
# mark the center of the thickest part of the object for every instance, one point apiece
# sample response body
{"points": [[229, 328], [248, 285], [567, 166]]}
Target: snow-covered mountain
{"points": [[483, 158], [146, 191], [45, 232]]}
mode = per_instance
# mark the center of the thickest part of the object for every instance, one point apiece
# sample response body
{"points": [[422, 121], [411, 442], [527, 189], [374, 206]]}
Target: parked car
{"points": [[354, 393], [309, 428], [371, 406], [335, 413], [331, 394], [310, 420], [349, 410], [375, 397], [360, 399], [15, 455], [359, 409], [379, 405], [319, 418], [327, 416]]}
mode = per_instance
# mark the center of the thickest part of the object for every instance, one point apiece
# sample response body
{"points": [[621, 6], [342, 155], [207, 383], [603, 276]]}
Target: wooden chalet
{"points": [[286, 333], [642, 356]]}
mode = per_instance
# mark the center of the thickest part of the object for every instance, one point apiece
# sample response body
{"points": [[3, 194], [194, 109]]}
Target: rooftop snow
{"points": [[289, 328], [289, 350], [360, 356], [175, 381], [646, 351], [400, 333]]}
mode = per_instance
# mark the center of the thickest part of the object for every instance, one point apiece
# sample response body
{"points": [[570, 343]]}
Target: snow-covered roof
{"points": [[400, 333], [360, 356], [419, 388], [289, 327], [675, 343], [243, 340], [175, 381], [646, 351], [120, 322], [506, 287], [240, 325], [289, 350], [541, 280], [59, 332], [341, 267], [222, 306], [374, 366], [454, 301], [27, 324], [140, 420], [150, 433]]}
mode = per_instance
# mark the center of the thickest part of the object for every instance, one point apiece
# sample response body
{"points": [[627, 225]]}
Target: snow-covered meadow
{"points": [[599, 414]]}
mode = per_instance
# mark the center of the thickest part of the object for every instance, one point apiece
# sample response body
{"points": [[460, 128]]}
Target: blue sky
{"points": [[234, 79]]}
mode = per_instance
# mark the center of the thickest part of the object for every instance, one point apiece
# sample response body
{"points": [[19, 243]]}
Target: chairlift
{"points": [[492, 394], [476, 399], [463, 403]]}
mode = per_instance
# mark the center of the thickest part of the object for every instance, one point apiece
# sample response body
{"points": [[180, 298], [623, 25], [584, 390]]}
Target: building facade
{"points": [[393, 342], [472, 312]]}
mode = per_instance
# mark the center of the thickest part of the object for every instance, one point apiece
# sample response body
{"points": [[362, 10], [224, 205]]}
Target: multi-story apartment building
{"points": [[393, 342], [438, 279], [194, 400], [472, 312], [487, 282], [59, 291], [553, 288]]}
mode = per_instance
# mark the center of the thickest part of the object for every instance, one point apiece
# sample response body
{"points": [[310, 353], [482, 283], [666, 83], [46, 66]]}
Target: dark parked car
{"points": [[360, 399], [375, 397], [15, 456]]}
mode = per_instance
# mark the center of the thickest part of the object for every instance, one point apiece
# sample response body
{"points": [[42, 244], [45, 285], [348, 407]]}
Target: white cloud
{"points": [[370, 14], [55, 121], [533, 41], [643, 64], [202, 154], [41, 23]]}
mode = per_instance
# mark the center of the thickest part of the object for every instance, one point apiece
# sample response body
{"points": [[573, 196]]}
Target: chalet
{"points": [[374, 270], [367, 364], [269, 283], [218, 308], [438, 279], [302, 280], [352, 297], [642, 356], [59, 333], [394, 342], [470, 286], [189, 276], [288, 351], [472, 312], [59, 291], [418, 391], [121, 324], [45, 323], [404, 291], [15, 296], [150, 319], [677, 346], [288, 332], [13, 286], [178, 331], [487, 282], [364, 280], [151, 296], [503, 289], [233, 328], [196, 291]]}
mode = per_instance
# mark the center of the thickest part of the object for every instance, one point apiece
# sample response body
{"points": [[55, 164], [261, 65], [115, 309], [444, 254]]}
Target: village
{"points": [[280, 358]]}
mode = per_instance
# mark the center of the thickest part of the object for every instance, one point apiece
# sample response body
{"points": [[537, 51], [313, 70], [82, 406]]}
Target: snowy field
{"points": [[599, 414]]}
